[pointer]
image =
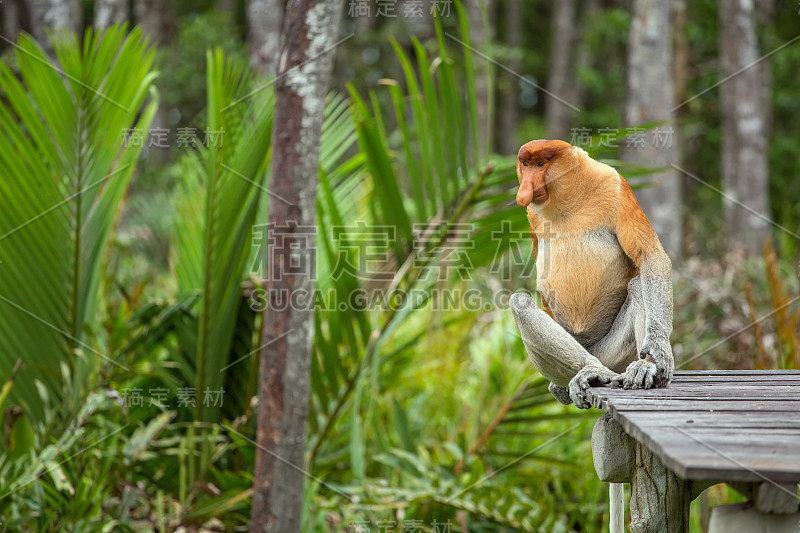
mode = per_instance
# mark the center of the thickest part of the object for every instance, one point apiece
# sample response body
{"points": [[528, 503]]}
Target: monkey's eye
{"points": [[524, 163], [540, 164]]}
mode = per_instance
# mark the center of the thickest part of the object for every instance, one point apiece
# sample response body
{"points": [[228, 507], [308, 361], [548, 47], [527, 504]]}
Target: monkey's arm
{"points": [[535, 222], [641, 244]]}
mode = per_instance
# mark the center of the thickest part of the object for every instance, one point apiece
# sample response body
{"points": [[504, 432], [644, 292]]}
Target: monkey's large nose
{"points": [[525, 194]]}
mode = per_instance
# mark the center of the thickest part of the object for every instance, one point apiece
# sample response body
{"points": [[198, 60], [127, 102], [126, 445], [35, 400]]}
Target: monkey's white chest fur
{"points": [[584, 278]]}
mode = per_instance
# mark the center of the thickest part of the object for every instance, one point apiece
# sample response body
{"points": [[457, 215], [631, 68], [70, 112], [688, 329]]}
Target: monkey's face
{"points": [[534, 161]]}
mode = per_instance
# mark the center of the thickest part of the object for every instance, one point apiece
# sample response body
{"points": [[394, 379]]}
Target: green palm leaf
{"points": [[235, 172], [64, 169], [221, 199]]}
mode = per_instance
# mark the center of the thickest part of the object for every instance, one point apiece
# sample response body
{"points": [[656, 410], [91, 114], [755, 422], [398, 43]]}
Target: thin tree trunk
{"points": [[585, 54], [311, 27], [225, 6], [417, 18], [680, 75], [264, 20], [650, 98], [110, 12], [744, 133], [480, 36], [561, 77], [508, 116], [156, 19], [765, 18], [56, 15], [12, 20], [680, 68]]}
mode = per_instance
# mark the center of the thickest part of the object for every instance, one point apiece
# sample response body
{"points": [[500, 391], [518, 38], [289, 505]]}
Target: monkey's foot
{"points": [[561, 394], [589, 376], [639, 375]]}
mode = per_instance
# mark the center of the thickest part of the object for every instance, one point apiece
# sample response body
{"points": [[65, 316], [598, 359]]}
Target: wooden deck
{"points": [[726, 425]]}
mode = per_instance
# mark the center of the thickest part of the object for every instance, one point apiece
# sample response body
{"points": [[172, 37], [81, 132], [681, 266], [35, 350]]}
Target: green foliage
{"points": [[184, 65], [234, 173], [605, 78], [399, 159], [371, 374], [66, 169], [419, 411]]}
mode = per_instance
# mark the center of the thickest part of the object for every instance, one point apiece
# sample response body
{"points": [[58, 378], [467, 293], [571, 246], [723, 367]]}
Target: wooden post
{"points": [[659, 498], [613, 453], [616, 508]]}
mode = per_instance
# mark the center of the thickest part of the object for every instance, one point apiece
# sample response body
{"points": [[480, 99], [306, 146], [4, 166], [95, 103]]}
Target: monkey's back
{"points": [[583, 276]]}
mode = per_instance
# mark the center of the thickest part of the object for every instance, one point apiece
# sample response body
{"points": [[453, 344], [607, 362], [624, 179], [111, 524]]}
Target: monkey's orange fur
{"points": [[592, 229]]}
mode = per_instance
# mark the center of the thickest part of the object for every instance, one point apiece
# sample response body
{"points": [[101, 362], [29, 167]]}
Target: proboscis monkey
{"points": [[604, 279]]}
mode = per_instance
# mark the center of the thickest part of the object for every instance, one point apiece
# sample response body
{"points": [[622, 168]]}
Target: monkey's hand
{"points": [[561, 394], [656, 372], [589, 376]]}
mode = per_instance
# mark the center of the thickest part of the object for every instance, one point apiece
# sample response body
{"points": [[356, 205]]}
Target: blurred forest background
{"points": [[132, 247]]}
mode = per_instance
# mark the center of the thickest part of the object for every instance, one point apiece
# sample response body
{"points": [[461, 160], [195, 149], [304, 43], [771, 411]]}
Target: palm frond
{"points": [[66, 164]]}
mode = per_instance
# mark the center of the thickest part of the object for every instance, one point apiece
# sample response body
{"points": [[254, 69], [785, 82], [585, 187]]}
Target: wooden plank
{"points": [[724, 385], [785, 386], [751, 373], [749, 469], [718, 420], [732, 461], [744, 439], [731, 425], [702, 391], [743, 406], [681, 378], [707, 389]]}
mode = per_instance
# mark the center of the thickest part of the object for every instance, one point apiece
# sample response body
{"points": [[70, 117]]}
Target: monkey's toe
{"points": [[578, 397], [561, 394], [588, 377], [640, 375]]}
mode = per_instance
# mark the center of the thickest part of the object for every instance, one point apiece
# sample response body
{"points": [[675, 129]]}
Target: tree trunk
{"points": [[680, 75], [680, 66], [560, 79], [585, 55], [12, 21], [506, 141], [744, 134], [480, 36], [110, 12], [264, 19], [56, 15], [225, 6], [155, 18], [650, 98], [311, 27]]}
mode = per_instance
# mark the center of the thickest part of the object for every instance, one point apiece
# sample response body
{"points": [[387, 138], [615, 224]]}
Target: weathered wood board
{"points": [[716, 425]]}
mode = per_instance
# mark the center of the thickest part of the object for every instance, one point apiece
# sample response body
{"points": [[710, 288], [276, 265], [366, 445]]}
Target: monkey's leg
{"points": [[620, 347], [555, 353], [619, 350]]}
